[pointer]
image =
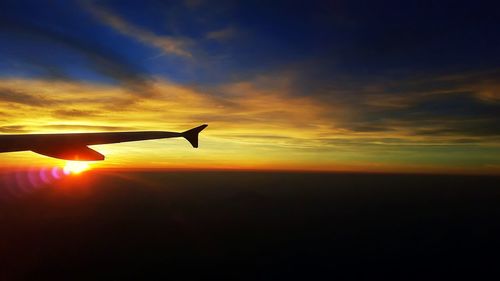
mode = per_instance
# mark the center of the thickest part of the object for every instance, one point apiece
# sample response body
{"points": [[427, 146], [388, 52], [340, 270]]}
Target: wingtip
{"points": [[192, 135]]}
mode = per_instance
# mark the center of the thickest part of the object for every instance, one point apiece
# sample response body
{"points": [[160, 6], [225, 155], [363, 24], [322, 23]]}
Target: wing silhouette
{"points": [[76, 153], [75, 146]]}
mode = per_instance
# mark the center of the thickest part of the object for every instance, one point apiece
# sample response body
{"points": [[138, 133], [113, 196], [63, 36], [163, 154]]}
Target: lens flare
{"points": [[17, 182], [75, 167]]}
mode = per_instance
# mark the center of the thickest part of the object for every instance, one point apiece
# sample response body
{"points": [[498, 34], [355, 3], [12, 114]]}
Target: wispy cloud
{"points": [[169, 45], [12, 129], [221, 34], [75, 113], [193, 3], [100, 60], [55, 128], [10, 95], [84, 127]]}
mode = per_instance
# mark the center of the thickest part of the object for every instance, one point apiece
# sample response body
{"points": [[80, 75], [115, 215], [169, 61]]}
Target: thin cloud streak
{"points": [[98, 59], [221, 34], [167, 44]]}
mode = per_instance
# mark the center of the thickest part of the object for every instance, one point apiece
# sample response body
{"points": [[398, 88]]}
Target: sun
{"points": [[75, 167]]}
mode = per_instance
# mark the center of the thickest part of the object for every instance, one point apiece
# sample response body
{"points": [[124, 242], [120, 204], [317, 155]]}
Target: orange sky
{"points": [[250, 127]]}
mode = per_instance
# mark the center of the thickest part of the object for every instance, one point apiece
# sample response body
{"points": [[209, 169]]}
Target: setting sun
{"points": [[75, 167]]}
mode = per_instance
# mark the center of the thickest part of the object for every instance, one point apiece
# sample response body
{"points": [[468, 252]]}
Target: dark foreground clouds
{"points": [[248, 226], [454, 114]]}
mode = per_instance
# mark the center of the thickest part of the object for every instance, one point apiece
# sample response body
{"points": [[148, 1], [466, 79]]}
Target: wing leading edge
{"points": [[75, 146]]}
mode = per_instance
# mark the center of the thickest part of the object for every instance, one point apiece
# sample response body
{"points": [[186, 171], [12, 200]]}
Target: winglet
{"points": [[192, 135]]}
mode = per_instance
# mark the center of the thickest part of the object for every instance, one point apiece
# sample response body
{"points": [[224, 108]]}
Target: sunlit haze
{"points": [[75, 167]]}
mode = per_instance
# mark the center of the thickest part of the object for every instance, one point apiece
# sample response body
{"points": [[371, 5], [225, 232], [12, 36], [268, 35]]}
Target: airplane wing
{"points": [[76, 153], [75, 146]]}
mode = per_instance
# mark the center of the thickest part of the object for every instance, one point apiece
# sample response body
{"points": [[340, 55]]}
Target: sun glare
{"points": [[75, 167]]}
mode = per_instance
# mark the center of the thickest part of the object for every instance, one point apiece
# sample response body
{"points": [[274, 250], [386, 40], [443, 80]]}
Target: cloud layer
{"points": [[261, 121]]}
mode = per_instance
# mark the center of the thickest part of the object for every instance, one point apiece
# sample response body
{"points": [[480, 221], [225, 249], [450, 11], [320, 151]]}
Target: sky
{"points": [[372, 86]]}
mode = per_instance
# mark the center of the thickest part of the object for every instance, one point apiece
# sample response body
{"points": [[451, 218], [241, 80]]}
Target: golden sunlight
{"points": [[75, 167]]}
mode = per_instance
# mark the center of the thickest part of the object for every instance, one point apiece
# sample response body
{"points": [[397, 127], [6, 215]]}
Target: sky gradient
{"points": [[391, 86]]}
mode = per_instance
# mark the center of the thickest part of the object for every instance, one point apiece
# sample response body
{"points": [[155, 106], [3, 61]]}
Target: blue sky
{"points": [[343, 38]]}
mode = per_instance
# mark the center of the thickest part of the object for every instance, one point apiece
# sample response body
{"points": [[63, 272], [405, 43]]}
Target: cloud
{"points": [[49, 94], [221, 34], [12, 129], [449, 118], [14, 96], [75, 113], [261, 122], [264, 107], [55, 128], [83, 127], [193, 3], [239, 108], [99, 59], [167, 44]]}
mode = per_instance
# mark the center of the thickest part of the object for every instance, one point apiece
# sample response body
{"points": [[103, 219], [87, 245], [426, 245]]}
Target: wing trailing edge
{"points": [[79, 153]]}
